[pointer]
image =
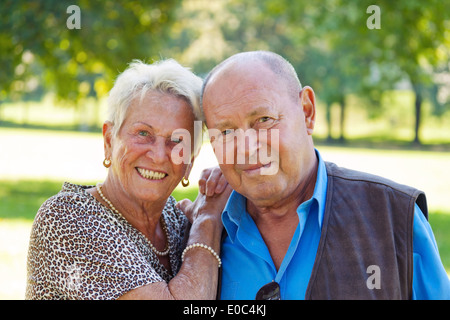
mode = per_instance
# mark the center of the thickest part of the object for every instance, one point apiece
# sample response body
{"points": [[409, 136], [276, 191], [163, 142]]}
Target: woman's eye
{"points": [[263, 119], [176, 140], [143, 133]]}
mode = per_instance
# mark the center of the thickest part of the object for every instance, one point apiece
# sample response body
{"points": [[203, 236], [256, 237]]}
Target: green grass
{"points": [[14, 237], [20, 200], [440, 223], [185, 193], [394, 123], [378, 145]]}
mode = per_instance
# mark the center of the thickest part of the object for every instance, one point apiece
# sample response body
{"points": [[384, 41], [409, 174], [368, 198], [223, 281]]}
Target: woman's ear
{"points": [[107, 137], [189, 168], [308, 102]]}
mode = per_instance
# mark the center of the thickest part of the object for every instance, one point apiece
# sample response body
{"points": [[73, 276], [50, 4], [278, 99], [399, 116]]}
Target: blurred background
{"points": [[381, 77]]}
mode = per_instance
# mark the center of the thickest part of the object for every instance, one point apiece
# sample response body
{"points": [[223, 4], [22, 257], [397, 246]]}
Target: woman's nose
{"points": [[158, 151]]}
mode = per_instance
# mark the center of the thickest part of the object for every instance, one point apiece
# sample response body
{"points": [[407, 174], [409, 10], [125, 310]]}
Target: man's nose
{"points": [[247, 147]]}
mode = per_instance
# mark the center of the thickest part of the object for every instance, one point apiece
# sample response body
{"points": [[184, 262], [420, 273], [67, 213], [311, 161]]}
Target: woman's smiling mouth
{"points": [[150, 174]]}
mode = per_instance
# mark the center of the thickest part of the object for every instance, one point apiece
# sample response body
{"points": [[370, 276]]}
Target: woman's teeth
{"points": [[149, 174]]}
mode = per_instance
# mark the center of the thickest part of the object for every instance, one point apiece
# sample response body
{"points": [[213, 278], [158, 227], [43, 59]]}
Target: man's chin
{"points": [[261, 194]]}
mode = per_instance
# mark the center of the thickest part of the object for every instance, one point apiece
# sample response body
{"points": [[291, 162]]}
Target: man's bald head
{"points": [[276, 63]]}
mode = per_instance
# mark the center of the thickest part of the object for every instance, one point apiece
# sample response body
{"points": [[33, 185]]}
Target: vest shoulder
{"points": [[359, 176], [353, 181]]}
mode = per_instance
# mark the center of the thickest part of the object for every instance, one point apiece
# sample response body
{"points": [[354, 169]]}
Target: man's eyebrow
{"points": [[223, 124], [258, 111], [262, 110]]}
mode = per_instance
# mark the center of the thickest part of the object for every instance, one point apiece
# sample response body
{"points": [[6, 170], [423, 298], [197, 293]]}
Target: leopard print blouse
{"points": [[80, 249]]}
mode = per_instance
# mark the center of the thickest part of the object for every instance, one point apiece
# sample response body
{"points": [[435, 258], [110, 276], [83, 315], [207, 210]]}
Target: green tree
{"points": [[317, 38], [77, 63], [333, 48], [412, 42]]}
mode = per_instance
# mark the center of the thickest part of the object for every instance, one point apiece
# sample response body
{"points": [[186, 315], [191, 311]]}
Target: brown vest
{"points": [[365, 250]]}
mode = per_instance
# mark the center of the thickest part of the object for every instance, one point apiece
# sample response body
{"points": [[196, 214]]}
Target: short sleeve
{"points": [[430, 280], [76, 252]]}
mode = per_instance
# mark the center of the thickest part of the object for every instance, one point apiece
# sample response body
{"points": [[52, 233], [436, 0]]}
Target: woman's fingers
{"points": [[221, 185], [212, 181]]}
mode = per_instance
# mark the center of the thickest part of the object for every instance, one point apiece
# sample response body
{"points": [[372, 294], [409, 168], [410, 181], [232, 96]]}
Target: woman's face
{"points": [[141, 153]]}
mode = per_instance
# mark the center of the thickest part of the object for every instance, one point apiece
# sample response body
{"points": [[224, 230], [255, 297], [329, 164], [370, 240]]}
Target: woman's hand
{"points": [[197, 278], [213, 194], [205, 206], [212, 181]]}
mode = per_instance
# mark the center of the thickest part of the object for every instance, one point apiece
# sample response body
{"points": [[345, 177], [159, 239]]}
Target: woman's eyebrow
{"points": [[144, 123], [167, 136]]}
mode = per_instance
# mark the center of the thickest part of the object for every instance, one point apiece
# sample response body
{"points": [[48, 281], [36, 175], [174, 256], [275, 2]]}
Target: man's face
{"points": [[250, 100]]}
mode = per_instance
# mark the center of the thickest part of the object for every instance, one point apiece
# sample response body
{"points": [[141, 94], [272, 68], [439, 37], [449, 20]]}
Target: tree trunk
{"points": [[418, 113], [328, 116], [342, 120]]}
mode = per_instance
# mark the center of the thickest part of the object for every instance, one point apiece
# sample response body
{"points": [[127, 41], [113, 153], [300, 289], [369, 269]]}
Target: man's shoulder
{"points": [[358, 181], [360, 176]]}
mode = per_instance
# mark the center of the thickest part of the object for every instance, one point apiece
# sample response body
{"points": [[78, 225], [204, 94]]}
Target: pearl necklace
{"points": [[163, 225]]}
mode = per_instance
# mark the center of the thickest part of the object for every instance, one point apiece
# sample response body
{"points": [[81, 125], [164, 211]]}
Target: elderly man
{"points": [[298, 227]]}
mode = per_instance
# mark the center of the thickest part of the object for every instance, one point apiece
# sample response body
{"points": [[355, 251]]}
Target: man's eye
{"points": [[143, 133], [227, 132], [263, 119]]}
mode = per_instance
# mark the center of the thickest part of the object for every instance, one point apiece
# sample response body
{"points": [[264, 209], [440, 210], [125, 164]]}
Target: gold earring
{"points": [[184, 182], [107, 163]]}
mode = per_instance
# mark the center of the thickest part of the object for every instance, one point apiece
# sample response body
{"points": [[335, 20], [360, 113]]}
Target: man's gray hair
{"points": [[166, 76]]}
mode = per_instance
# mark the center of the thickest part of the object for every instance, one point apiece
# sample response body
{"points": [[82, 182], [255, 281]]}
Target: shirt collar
{"points": [[320, 190], [235, 208]]}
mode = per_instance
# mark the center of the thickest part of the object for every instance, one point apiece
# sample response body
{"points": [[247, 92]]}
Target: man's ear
{"points": [[107, 137], [308, 101]]}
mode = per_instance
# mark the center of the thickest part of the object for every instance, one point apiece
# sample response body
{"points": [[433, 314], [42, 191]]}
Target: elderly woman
{"points": [[126, 238]]}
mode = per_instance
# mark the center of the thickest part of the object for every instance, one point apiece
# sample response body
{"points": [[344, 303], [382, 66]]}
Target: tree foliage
{"points": [[76, 63], [329, 43], [332, 47]]}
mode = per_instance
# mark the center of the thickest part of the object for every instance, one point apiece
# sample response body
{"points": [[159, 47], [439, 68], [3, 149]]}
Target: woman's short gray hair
{"points": [[166, 76]]}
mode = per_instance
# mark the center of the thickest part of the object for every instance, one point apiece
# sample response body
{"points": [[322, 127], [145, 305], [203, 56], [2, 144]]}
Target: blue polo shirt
{"points": [[247, 264]]}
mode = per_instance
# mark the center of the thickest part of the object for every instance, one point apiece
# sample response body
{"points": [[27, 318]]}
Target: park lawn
{"points": [[440, 223], [20, 200]]}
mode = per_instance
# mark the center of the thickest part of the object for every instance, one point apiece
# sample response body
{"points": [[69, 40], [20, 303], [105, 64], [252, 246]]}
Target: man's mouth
{"points": [[150, 174], [254, 169]]}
